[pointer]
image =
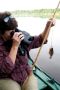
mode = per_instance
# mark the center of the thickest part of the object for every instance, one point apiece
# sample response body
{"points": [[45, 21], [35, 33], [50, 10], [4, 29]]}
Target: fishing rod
{"points": [[45, 36]]}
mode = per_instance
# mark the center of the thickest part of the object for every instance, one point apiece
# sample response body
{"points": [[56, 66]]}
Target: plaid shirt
{"points": [[21, 69]]}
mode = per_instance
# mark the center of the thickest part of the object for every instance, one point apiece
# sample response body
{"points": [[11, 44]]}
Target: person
{"points": [[15, 71]]}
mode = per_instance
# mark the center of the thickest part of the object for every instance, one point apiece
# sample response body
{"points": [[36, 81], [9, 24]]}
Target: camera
{"points": [[27, 37], [24, 43]]}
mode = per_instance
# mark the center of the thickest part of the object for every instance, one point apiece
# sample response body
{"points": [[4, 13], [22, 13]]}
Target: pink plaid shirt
{"points": [[21, 69]]}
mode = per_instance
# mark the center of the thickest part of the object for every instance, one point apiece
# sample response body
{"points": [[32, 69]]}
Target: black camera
{"points": [[27, 37], [25, 43]]}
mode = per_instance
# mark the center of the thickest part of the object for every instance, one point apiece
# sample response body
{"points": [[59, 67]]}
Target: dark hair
{"points": [[7, 22]]}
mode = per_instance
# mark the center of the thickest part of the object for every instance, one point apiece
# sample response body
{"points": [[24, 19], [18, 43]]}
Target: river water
{"points": [[35, 26]]}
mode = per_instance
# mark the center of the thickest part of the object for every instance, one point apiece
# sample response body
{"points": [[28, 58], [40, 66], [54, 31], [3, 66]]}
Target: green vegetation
{"points": [[43, 13]]}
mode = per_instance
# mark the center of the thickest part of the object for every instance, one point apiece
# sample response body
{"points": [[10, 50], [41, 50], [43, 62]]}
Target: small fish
{"points": [[51, 52]]}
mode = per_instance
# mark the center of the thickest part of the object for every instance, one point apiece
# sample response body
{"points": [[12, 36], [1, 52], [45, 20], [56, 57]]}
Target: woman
{"points": [[15, 72]]}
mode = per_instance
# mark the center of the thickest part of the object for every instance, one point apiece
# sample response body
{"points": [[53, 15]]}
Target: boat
{"points": [[45, 82]]}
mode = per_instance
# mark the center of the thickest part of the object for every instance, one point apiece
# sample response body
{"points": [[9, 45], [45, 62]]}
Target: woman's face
{"points": [[8, 34]]}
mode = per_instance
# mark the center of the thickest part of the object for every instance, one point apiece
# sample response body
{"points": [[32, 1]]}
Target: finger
{"points": [[18, 33], [21, 36], [51, 19]]}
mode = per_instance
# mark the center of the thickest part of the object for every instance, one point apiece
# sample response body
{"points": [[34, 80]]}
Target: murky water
{"points": [[35, 26]]}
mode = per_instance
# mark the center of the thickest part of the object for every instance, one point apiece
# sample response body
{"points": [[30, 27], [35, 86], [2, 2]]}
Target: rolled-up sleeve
{"points": [[36, 42], [6, 64]]}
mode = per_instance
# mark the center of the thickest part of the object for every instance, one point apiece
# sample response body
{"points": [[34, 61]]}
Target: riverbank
{"points": [[43, 13]]}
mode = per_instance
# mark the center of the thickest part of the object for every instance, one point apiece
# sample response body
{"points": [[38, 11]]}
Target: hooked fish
{"points": [[51, 52]]}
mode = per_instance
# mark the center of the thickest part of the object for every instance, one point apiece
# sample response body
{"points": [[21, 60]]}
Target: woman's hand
{"points": [[51, 22], [48, 26], [17, 38]]}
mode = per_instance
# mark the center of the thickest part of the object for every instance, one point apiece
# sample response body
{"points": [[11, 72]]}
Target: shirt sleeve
{"points": [[6, 64], [36, 42]]}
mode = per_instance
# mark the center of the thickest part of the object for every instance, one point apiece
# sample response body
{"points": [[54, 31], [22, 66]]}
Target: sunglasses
{"points": [[6, 19]]}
